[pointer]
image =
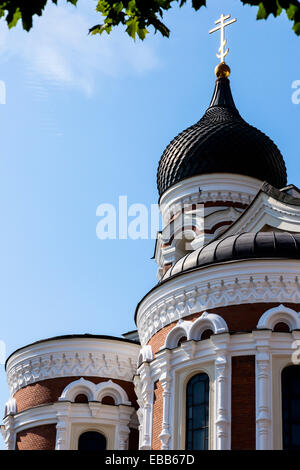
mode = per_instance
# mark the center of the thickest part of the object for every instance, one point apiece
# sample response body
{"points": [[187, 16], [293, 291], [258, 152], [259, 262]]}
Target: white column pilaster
{"points": [[222, 393], [263, 386]]}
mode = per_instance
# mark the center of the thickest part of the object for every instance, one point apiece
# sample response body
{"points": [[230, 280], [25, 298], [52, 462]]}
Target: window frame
{"points": [[204, 403], [178, 402]]}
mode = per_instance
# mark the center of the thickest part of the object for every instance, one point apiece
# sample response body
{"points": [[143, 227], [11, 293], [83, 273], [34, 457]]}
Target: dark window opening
{"points": [[206, 334], [290, 383], [181, 340], [81, 398], [92, 440], [108, 400], [197, 412], [281, 328]]}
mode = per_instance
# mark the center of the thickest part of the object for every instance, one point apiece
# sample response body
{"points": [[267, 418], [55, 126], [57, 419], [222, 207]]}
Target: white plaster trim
{"points": [[146, 355], [10, 407], [266, 210], [95, 392], [112, 421], [219, 285], [182, 328], [279, 314], [194, 330], [144, 388], [211, 187], [72, 357], [208, 321]]}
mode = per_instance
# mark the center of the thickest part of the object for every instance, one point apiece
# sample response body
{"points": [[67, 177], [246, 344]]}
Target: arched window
{"points": [[107, 400], [206, 334], [81, 398], [290, 383], [197, 412], [92, 440], [281, 327], [181, 340]]}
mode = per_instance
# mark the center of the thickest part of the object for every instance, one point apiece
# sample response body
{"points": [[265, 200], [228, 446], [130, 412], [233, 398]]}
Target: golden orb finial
{"points": [[222, 70]]}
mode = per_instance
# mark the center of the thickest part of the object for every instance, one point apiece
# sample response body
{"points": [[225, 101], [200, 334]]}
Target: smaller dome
{"points": [[221, 142], [248, 245]]}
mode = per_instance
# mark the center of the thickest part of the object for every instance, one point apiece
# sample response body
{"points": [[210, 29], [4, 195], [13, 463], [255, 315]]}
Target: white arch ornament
{"points": [[207, 321], [279, 314], [95, 392], [182, 328]]}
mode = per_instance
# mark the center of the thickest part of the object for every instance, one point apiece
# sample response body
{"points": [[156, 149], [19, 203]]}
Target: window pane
{"points": [[197, 406], [290, 381]]}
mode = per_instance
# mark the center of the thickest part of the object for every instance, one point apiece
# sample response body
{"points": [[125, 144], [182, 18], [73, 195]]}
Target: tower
{"points": [[220, 329]]}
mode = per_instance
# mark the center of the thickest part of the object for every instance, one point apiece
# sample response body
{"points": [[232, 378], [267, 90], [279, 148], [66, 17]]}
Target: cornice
{"points": [[74, 357], [232, 283]]}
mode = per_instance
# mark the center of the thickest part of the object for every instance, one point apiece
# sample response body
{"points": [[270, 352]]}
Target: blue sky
{"points": [[86, 120]]}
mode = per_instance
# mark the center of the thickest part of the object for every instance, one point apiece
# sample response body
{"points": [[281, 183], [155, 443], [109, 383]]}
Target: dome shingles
{"points": [[260, 245], [221, 142]]}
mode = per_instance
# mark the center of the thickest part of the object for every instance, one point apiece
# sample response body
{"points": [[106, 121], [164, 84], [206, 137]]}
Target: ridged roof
{"points": [[221, 142], [244, 246]]}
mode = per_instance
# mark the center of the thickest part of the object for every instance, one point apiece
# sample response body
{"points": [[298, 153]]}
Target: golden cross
{"points": [[222, 26]]}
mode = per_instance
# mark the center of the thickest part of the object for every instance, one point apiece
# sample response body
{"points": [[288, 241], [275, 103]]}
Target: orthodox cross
{"points": [[222, 25]]}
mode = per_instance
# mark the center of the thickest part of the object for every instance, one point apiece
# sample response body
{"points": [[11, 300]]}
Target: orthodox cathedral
{"points": [[214, 363]]}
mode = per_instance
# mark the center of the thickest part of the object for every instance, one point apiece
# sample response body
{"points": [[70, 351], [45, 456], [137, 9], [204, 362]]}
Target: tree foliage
{"points": [[138, 16]]}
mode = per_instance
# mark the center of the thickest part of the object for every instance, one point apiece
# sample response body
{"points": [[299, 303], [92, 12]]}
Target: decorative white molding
{"points": [[222, 392], [85, 357], [263, 377], [207, 321], [10, 407], [112, 421], [9, 432], [219, 285], [144, 387], [95, 392], [182, 328], [279, 314], [146, 355], [193, 330], [267, 211], [212, 187], [166, 383]]}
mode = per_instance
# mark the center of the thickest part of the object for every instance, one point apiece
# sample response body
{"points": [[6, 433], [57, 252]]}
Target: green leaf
{"points": [[132, 27], [16, 17], [142, 33], [262, 12]]}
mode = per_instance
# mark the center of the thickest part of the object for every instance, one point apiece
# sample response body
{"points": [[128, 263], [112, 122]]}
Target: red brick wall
{"points": [[38, 438], [48, 391], [243, 403], [157, 415], [239, 318]]}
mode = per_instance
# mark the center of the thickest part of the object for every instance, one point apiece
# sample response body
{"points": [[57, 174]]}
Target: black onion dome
{"points": [[221, 142], [248, 245]]}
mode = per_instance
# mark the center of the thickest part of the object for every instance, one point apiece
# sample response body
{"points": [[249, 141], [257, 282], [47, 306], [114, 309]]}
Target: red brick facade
{"points": [[38, 438], [157, 415], [243, 403]]}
